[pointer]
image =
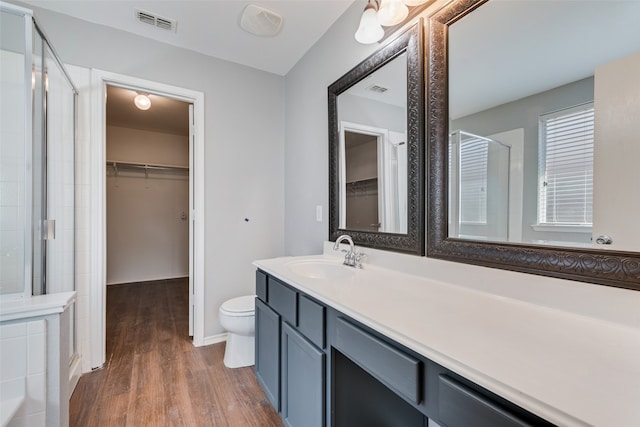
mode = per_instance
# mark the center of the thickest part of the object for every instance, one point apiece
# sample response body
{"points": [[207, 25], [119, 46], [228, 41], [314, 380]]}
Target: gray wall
{"points": [[306, 130], [524, 113]]}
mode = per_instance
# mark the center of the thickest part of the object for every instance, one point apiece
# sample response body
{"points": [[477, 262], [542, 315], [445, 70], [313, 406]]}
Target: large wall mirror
{"points": [[533, 137], [376, 154]]}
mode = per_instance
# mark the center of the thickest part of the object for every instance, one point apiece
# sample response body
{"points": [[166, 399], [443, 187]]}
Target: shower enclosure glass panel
{"points": [[37, 163], [38, 175], [479, 187], [59, 166]]}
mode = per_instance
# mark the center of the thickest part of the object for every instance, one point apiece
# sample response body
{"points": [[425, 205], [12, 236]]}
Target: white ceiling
{"points": [[390, 77], [212, 27], [165, 115]]}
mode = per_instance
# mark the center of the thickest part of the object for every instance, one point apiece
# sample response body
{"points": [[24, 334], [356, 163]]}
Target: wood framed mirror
{"points": [[376, 148], [582, 261]]}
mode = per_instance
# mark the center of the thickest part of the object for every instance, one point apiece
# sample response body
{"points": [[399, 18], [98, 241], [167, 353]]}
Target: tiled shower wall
{"points": [[23, 367], [12, 175]]}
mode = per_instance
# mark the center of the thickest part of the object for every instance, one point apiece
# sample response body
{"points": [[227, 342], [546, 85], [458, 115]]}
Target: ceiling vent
{"points": [[260, 21], [377, 88], [155, 20]]}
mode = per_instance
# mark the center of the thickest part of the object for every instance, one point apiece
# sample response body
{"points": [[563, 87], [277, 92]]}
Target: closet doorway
{"points": [[147, 199], [149, 171]]}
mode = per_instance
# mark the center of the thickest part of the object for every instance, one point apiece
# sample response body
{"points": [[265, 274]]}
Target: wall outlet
{"points": [[319, 213]]}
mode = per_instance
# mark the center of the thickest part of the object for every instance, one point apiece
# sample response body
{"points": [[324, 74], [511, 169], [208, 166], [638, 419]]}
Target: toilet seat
{"points": [[240, 306]]}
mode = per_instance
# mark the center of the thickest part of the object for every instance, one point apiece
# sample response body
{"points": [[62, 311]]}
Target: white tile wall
{"points": [[12, 172], [23, 361]]}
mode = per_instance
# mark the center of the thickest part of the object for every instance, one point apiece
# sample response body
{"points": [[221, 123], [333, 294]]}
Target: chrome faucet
{"points": [[352, 258]]}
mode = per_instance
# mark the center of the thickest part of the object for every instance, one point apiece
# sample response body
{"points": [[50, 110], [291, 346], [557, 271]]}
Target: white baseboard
{"points": [[75, 371], [214, 339], [148, 280]]}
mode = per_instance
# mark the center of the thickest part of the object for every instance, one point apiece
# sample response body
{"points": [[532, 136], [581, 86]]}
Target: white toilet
{"points": [[237, 316]]}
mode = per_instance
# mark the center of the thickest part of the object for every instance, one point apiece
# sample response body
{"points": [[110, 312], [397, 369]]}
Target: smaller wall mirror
{"points": [[376, 156]]}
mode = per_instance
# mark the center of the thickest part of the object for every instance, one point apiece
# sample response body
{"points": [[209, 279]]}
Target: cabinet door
{"points": [[303, 385], [268, 352]]}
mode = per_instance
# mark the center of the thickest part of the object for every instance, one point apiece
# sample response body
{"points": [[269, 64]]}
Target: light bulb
{"points": [[369, 30], [392, 12], [142, 102]]}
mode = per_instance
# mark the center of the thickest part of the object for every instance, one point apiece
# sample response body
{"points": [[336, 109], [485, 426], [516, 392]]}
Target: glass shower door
{"points": [[478, 187], [58, 231], [39, 162]]}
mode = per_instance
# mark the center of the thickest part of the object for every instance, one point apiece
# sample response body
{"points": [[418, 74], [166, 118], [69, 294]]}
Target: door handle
{"points": [[48, 229]]}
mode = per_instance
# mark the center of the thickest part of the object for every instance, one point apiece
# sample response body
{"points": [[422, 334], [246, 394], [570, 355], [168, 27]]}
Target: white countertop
{"points": [[574, 361]]}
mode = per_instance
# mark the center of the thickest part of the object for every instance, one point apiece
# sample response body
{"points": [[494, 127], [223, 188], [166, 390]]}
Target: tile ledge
{"points": [[36, 306]]}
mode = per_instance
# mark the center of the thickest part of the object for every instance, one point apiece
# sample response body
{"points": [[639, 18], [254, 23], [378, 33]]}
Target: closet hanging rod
{"points": [[145, 166]]}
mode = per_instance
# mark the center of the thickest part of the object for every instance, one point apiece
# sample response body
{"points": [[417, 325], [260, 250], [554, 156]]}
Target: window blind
{"points": [[566, 167], [473, 180]]}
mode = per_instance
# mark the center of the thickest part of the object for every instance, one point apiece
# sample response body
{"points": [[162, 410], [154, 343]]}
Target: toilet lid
{"points": [[245, 304]]}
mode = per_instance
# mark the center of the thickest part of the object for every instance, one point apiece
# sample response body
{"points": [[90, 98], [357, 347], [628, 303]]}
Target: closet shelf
{"points": [[147, 167]]}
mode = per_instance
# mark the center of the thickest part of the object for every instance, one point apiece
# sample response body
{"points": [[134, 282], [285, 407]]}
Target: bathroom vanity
{"points": [[338, 346]]}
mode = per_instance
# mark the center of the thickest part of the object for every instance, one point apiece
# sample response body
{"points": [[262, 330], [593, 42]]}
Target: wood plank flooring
{"points": [[154, 376]]}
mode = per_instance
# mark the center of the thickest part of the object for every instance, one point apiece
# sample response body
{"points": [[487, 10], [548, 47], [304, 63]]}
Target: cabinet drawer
{"points": [[261, 285], [282, 299], [391, 366], [458, 405], [311, 320]]}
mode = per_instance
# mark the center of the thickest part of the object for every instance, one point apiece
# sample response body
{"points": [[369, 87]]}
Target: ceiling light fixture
{"points": [[378, 13], [260, 21], [142, 101]]}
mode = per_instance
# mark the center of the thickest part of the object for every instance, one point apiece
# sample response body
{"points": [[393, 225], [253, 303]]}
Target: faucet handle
{"points": [[357, 258]]}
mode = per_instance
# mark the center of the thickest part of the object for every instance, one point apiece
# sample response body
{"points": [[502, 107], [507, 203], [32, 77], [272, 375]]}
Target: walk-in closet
{"points": [[147, 200], [147, 188]]}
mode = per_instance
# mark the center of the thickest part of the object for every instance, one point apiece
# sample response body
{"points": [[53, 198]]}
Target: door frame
{"points": [[99, 81]]}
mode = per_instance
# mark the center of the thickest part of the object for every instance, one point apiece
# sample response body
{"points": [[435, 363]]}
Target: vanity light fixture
{"points": [[378, 13], [392, 12], [370, 30], [142, 101]]}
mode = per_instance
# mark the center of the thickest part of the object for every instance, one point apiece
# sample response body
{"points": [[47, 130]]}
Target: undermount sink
{"points": [[319, 269]]}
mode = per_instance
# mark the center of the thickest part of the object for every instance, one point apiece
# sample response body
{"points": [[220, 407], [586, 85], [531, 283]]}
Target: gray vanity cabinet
{"points": [[290, 360], [319, 367]]}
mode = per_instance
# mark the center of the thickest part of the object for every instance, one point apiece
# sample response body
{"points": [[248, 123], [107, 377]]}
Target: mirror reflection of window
{"points": [[479, 180], [473, 181], [565, 195], [569, 193]]}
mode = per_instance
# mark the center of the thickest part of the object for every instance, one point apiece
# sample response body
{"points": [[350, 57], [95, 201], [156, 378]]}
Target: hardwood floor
{"points": [[154, 376]]}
